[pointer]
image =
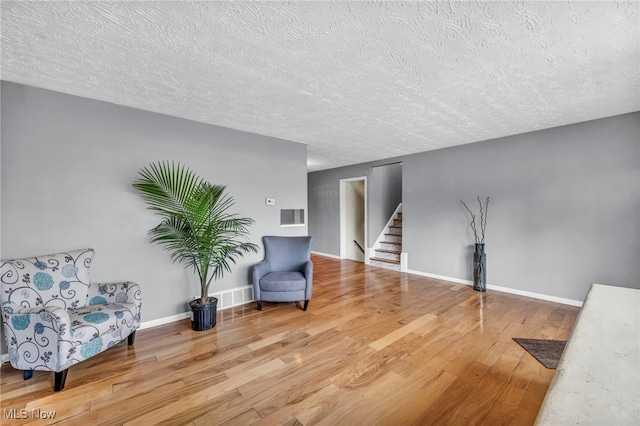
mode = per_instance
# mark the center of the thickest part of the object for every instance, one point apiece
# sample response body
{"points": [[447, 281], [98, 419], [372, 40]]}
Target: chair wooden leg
{"points": [[306, 303], [132, 338], [259, 302], [27, 374], [59, 379]]}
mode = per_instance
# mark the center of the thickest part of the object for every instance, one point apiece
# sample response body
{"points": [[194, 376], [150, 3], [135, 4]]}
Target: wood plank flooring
{"points": [[375, 347]]}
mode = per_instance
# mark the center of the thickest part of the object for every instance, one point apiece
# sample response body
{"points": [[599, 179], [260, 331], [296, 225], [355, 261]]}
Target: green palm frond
{"points": [[196, 227]]}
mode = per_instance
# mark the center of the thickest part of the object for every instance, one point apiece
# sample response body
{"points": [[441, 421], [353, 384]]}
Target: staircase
{"points": [[387, 255]]}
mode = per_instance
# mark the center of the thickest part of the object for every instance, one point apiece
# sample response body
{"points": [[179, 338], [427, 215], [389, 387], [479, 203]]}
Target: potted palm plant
{"points": [[196, 228]]}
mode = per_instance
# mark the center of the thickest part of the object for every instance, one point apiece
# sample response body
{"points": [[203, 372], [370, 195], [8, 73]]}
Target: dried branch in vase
{"points": [[479, 237]]}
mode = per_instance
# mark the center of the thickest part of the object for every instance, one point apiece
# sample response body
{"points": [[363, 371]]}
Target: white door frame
{"points": [[343, 216]]}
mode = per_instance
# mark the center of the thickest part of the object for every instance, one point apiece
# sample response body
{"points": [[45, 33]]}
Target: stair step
{"points": [[392, 238], [381, 259], [389, 251], [387, 254], [386, 265], [393, 243], [395, 230]]}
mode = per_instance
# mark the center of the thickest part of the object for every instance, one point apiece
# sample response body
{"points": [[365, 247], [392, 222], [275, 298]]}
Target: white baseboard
{"points": [[501, 289], [540, 296], [327, 255], [439, 277], [165, 320]]}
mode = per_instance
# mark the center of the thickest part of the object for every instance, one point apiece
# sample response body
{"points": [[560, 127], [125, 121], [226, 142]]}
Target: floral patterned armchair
{"points": [[55, 317]]}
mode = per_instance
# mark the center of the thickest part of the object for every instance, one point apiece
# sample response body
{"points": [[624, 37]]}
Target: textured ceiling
{"points": [[355, 81]]}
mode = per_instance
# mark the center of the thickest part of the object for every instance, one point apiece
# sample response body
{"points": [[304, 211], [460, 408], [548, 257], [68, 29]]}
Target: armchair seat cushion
{"points": [[283, 281], [98, 320]]}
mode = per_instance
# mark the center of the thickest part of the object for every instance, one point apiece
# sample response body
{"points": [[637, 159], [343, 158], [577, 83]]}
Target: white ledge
{"points": [[596, 382]]}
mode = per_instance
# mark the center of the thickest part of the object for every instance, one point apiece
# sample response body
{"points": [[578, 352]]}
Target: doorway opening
{"points": [[353, 218]]}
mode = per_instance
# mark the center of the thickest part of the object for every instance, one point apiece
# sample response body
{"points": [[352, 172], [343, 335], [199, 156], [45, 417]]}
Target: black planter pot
{"points": [[479, 268], [203, 317]]}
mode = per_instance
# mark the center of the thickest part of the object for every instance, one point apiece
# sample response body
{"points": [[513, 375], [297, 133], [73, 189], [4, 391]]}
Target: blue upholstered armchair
{"points": [[286, 273], [55, 317]]}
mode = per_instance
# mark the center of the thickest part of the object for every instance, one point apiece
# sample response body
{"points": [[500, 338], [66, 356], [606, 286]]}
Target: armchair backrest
{"points": [[60, 279], [287, 253]]}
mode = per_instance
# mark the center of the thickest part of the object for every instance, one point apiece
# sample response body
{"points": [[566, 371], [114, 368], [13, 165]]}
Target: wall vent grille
{"points": [[233, 297]]}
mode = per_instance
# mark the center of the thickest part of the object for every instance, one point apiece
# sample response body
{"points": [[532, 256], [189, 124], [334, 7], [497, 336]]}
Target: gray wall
{"points": [[384, 193], [67, 168], [564, 210], [385, 183]]}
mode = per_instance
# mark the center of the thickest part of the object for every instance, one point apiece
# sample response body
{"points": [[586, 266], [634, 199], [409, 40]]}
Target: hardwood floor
{"points": [[375, 347]]}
